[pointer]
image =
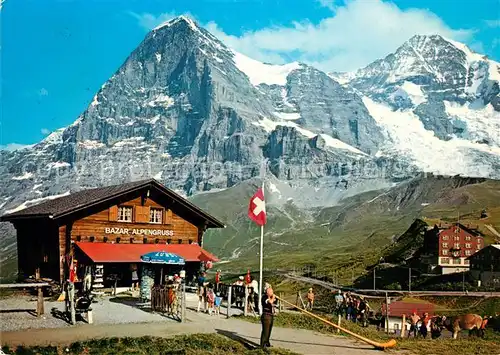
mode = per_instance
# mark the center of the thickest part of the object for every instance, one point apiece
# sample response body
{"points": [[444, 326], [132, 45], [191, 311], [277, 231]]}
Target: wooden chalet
{"points": [[111, 226]]}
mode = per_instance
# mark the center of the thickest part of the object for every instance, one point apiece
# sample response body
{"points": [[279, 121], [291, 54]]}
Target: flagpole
{"points": [[261, 287]]}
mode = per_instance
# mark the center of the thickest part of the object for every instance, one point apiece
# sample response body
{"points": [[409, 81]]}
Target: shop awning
{"points": [[131, 253], [160, 257]]}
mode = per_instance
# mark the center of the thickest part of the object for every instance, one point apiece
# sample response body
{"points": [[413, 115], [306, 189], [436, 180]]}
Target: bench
{"points": [[39, 302]]}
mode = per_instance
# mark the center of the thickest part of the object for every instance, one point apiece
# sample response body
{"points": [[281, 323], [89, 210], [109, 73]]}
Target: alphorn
{"points": [[381, 346]]}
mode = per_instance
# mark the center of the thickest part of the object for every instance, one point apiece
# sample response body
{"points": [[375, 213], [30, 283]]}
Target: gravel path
{"points": [[298, 340], [20, 313], [113, 319]]}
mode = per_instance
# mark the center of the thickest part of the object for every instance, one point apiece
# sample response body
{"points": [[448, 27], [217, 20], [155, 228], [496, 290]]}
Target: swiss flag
{"points": [[257, 208]]}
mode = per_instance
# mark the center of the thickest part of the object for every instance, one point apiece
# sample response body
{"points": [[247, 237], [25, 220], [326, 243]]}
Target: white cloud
{"points": [[14, 146], [357, 33], [149, 21], [45, 131], [492, 23], [328, 3], [43, 92]]}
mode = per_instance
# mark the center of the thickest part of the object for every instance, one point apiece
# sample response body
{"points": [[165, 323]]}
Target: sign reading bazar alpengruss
{"points": [[137, 231]]}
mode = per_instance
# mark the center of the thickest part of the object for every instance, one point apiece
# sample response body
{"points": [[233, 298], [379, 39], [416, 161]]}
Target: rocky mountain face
{"points": [[439, 80], [198, 116]]}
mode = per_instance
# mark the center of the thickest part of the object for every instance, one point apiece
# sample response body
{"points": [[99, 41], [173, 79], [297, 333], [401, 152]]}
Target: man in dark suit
{"points": [[268, 303]]}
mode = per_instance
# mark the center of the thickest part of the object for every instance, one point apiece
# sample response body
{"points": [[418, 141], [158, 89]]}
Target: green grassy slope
{"points": [[347, 237]]}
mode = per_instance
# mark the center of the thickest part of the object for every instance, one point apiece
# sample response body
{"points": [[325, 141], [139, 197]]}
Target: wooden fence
{"points": [[170, 299]]}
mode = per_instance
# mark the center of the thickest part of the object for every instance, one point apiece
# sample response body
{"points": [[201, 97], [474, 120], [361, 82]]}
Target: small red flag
{"points": [[257, 208]]}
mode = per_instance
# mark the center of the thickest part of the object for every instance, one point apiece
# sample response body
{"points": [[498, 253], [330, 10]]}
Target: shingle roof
{"points": [[398, 308], [83, 199]]}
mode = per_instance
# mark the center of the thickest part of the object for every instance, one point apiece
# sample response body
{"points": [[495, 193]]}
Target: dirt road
{"points": [[297, 340]]}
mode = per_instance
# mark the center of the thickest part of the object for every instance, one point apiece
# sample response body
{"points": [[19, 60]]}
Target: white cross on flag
{"points": [[257, 208]]}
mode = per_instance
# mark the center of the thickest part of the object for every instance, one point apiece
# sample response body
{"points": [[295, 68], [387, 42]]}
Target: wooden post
{"points": [[37, 274], [39, 303], [281, 303], [301, 301], [90, 319], [338, 329], [403, 326], [245, 303], [183, 310], [387, 313], [229, 301], [71, 294]]}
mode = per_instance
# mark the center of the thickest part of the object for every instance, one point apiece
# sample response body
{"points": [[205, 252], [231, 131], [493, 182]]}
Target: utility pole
{"points": [[374, 278], [386, 313], [409, 279]]}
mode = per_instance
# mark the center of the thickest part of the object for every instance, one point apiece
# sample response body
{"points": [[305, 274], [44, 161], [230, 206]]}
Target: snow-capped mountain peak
{"points": [[183, 102], [182, 18], [262, 73]]}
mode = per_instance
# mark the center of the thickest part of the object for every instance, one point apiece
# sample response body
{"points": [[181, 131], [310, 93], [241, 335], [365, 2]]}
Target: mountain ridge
{"points": [[198, 116]]}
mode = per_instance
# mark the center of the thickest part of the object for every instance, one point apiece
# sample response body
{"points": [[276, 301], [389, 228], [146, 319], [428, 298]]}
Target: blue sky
{"points": [[56, 54]]}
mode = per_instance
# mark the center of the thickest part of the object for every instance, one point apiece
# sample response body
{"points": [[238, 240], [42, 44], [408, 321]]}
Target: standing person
{"points": [[363, 311], [310, 299], [255, 285], [339, 300], [210, 299], [239, 294], [135, 277], [414, 319], [349, 305], [217, 280], [267, 318], [201, 292], [424, 328], [218, 302]]}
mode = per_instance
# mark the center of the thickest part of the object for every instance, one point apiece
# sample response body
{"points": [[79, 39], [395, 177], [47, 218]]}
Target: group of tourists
{"points": [[208, 298], [351, 307], [421, 326]]}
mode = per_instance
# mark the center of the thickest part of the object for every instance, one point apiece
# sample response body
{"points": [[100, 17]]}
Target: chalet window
{"points": [[445, 260], [155, 215], [467, 245], [124, 214], [478, 247], [457, 261], [145, 240], [445, 252], [446, 237], [456, 237], [467, 237], [118, 239], [169, 241], [445, 245], [456, 245], [467, 252]]}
